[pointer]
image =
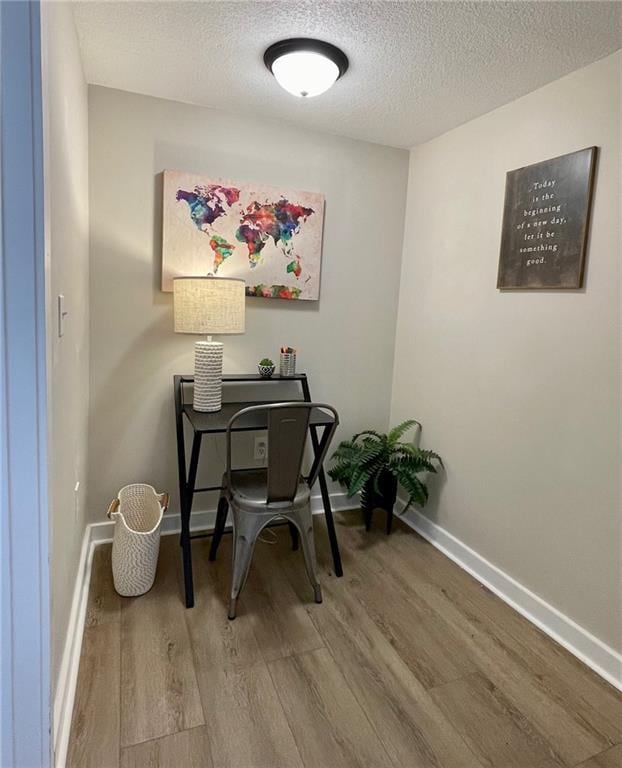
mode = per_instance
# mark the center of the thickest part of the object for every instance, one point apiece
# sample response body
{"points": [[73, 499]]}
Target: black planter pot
{"points": [[385, 499]]}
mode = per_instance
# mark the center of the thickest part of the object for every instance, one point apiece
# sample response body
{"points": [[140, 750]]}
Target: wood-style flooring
{"points": [[408, 663]]}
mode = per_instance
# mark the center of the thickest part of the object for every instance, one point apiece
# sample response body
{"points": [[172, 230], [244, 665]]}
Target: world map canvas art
{"points": [[269, 236]]}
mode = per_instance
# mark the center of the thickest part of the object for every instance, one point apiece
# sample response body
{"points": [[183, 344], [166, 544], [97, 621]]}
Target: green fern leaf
{"points": [[368, 433], [416, 490], [401, 429], [360, 477]]}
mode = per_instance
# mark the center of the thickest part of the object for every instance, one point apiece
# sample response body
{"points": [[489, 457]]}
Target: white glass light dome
{"points": [[305, 67], [305, 73]]}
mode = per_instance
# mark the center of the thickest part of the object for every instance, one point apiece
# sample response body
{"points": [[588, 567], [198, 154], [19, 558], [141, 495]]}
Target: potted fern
{"points": [[374, 464]]}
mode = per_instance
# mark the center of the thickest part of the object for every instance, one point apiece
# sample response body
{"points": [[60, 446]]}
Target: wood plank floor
{"points": [[408, 663]]}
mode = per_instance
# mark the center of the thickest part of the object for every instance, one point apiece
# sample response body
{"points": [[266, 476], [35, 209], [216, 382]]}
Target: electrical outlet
{"points": [[261, 448]]}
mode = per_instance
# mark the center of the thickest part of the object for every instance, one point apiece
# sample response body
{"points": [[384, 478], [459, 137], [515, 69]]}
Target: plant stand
{"points": [[385, 499]]}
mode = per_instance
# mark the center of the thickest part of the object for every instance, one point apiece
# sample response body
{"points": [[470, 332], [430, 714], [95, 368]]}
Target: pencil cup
{"points": [[287, 364]]}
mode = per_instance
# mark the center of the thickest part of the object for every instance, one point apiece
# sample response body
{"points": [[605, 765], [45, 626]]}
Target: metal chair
{"points": [[259, 496]]}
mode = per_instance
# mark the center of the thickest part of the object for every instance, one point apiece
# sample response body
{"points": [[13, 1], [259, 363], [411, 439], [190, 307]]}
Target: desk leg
{"points": [[186, 510], [330, 523], [328, 512], [181, 450], [184, 539]]}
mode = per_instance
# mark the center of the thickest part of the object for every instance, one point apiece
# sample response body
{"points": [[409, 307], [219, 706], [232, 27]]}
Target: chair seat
{"points": [[249, 490]]}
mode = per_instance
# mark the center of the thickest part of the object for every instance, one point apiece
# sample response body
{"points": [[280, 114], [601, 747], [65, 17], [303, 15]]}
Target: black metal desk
{"points": [[215, 422]]}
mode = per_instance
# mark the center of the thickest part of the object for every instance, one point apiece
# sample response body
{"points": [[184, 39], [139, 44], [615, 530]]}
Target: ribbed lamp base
{"points": [[208, 375]]}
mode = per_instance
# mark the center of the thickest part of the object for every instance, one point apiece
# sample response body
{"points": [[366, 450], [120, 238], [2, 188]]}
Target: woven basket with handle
{"points": [[137, 512]]}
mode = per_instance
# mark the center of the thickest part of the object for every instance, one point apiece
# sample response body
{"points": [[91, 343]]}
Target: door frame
{"points": [[24, 563]]}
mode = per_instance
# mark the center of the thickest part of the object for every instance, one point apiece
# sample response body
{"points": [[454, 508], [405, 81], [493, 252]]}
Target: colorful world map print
{"points": [[269, 236]]}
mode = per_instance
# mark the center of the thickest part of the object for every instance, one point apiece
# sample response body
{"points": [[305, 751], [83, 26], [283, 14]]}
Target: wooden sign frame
{"points": [[546, 221]]}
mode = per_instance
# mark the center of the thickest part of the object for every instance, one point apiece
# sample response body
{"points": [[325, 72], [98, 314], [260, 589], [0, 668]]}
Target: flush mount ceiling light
{"points": [[305, 67]]}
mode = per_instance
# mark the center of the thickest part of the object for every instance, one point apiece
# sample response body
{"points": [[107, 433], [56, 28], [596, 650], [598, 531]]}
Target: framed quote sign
{"points": [[546, 219]]}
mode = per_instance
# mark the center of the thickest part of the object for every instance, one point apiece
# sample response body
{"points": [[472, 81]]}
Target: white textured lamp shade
{"points": [[207, 305]]}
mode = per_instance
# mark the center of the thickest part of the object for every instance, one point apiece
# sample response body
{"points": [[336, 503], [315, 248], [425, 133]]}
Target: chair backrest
{"points": [[287, 425]]}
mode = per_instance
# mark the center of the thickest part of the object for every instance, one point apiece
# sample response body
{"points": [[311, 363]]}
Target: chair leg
{"points": [[389, 520], [304, 522], [219, 528], [293, 532], [367, 514], [246, 528]]}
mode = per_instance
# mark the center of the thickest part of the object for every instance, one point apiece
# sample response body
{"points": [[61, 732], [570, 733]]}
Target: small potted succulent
{"points": [[373, 464], [266, 368]]}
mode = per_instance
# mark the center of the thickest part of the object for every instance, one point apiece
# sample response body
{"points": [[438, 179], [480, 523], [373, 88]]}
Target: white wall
{"points": [[346, 339], [67, 210], [520, 391]]}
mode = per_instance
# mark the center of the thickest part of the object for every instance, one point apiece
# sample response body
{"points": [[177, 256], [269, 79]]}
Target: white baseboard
{"points": [[101, 533], [603, 659], [68, 674], [94, 535]]}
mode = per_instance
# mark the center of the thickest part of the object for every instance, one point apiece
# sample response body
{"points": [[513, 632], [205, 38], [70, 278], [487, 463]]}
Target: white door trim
{"points": [[25, 680]]}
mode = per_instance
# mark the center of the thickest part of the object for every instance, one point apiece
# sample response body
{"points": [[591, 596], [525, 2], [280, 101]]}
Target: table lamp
{"points": [[208, 305]]}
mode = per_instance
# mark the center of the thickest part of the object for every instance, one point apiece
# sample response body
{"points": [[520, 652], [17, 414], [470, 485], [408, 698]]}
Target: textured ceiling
{"points": [[417, 69]]}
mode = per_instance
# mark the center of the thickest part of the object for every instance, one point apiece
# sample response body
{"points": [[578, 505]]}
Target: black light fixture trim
{"points": [[296, 44]]}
